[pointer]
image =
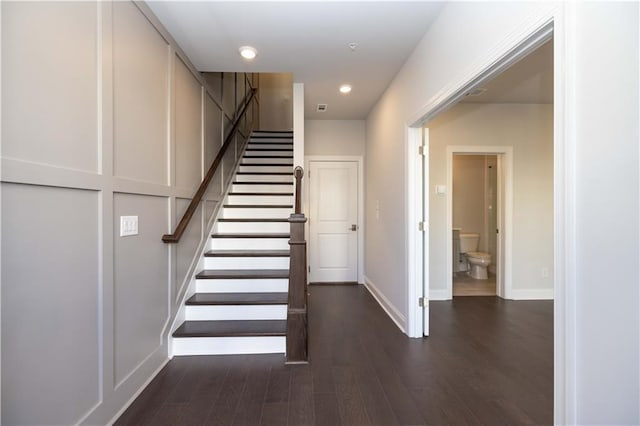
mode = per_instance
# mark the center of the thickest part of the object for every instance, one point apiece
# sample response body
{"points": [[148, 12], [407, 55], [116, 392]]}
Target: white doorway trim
{"points": [[505, 215], [346, 158], [559, 22]]}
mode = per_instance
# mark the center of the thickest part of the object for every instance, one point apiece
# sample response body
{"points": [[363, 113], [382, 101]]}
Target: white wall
{"points": [[334, 137], [276, 101], [102, 117], [608, 296], [299, 134], [468, 195], [599, 376], [529, 130]]}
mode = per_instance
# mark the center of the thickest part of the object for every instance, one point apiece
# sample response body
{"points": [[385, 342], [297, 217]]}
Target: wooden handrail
{"points": [[297, 327], [193, 205]]}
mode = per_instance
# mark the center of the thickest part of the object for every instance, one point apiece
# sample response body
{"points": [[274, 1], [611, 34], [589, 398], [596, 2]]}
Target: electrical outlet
{"points": [[128, 225]]}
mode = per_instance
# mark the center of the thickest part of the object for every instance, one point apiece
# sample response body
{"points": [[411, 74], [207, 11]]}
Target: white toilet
{"points": [[478, 260]]}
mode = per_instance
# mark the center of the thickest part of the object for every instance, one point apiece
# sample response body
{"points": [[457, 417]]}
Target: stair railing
{"points": [[195, 201], [297, 326]]}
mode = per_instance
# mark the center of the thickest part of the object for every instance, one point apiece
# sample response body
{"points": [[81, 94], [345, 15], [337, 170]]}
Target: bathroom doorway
{"points": [[475, 210], [479, 220]]}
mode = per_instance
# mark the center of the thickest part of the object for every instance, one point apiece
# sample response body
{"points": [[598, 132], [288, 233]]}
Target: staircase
{"points": [[240, 302]]}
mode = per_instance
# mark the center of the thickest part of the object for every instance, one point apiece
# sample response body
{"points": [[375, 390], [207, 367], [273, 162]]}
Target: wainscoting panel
{"points": [[50, 304], [141, 286]]}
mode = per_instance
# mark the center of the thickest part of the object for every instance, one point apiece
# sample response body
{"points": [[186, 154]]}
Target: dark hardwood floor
{"points": [[487, 361]]}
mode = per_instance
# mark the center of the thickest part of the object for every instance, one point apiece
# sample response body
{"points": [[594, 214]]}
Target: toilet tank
{"points": [[469, 242]]}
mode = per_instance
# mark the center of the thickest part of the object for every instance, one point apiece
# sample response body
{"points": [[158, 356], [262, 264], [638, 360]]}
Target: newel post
{"points": [[297, 309]]}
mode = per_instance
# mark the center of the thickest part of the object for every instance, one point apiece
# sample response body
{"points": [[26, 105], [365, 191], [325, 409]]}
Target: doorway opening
{"points": [[476, 209], [493, 125]]}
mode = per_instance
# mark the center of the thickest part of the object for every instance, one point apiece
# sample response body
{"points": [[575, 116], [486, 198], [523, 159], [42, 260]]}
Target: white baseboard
{"points": [[439, 294], [535, 294], [137, 393], [393, 312]]}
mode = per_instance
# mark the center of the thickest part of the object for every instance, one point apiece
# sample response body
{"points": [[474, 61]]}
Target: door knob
{"points": [[354, 227]]}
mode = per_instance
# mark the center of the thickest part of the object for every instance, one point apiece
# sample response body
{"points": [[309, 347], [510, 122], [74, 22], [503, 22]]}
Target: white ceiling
{"points": [[529, 81], [307, 38]]}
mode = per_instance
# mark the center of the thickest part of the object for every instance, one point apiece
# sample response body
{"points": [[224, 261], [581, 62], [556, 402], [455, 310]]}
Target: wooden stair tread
{"points": [[268, 149], [247, 253], [258, 206], [262, 183], [251, 220], [249, 235], [242, 273], [268, 156], [231, 328], [209, 299], [284, 141], [266, 173], [267, 164]]}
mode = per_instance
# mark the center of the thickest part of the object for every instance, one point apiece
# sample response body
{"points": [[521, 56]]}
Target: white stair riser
{"points": [[264, 178], [265, 146], [272, 137], [250, 227], [276, 187], [249, 243], [266, 169], [235, 312], [250, 153], [246, 263], [260, 199], [228, 345], [256, 213], [245, 285], [249, 160]]}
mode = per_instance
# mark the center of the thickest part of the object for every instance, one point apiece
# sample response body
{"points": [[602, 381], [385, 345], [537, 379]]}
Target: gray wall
{"points": [[276, 101], [102, 117], [334, 137]]}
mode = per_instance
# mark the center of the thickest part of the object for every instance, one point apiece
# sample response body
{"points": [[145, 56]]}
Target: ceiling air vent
{"points": [[322, 107]]}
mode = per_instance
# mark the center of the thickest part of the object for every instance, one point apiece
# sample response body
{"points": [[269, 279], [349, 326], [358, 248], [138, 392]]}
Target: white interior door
{"points": [[333, 221]]}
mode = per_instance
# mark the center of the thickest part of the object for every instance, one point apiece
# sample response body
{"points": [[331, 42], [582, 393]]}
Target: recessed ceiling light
{"points": [[345, 88], [248, 52]]}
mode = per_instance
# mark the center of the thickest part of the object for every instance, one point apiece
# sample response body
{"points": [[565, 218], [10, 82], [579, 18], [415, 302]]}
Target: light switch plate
{"points": [[128, 225], [441, 189]]}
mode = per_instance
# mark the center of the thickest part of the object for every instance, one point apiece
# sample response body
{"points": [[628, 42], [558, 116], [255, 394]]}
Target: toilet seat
{"points": [[479, 255]]}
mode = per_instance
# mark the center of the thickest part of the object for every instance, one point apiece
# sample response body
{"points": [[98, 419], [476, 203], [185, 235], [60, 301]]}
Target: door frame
{"points": [[559, 23], [306, 196], [505, 214], [514, 49]]}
